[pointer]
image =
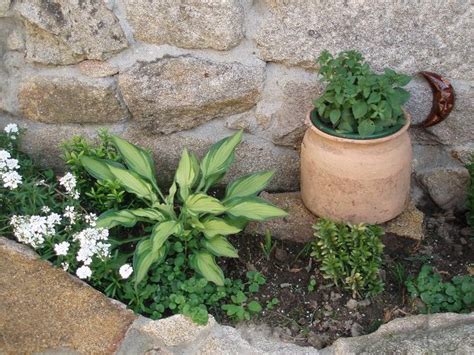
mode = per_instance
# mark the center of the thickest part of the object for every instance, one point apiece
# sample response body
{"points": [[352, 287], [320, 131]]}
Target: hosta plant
{"points": [[186, 213], [356, 100]]}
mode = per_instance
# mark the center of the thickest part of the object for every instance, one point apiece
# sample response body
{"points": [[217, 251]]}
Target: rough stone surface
{"points": [[70, 100], [213, 24], [65, 32], [463, 153], [297, 226], [396, 35], [444, 333], [97, 68], [442, 177], [177, 93], [409, 224], [4, 6], [45, 309]]}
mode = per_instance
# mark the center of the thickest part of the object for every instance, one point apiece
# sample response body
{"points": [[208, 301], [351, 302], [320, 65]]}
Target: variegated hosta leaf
{"points": [[220, 246], [144, 258], [147, 214], [202, 203], [253, 208], [110, 219], [248, 185], [214, 226], [98, 168], [207, 267], [133, 183], [136, 159], [187, 173], [161, 232], [219, 158]]}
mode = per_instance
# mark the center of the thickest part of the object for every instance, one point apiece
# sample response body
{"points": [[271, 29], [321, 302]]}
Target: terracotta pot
{"points": [[356, 180]]}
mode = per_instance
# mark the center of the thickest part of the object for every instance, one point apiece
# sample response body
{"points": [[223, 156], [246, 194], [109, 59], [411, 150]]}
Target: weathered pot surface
{"points": [[356, 180]]}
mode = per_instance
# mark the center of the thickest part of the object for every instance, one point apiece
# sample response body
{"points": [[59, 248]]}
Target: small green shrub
{"points": [[470, 195], [94, 194], [456, 295], [357, 100], [350, 256]]}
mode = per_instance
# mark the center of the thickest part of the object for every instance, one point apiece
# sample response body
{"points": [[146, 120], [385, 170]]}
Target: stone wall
{"points": [[169, 74]]}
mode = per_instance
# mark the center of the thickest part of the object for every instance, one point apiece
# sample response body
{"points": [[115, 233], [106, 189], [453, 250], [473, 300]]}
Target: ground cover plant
{"points": [[470, 195]]}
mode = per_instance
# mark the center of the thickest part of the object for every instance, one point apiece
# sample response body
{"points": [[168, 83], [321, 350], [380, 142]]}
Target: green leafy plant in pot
{"points": [[356, 154], [187, 213]]}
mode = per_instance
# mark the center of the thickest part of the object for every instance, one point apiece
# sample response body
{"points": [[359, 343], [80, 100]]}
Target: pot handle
{"points": [[443, 99]]}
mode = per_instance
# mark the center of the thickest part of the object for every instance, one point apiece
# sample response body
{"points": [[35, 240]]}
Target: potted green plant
{"points": [[356, 153]]}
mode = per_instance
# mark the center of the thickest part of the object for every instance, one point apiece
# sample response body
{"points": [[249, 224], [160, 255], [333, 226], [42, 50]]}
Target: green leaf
{"points": [[110, 219], [187, 173], [144, 258], [136, 159], [147, 213], [161, 233], [133, 183], [214, 226], [366, 128], [334, 116], [220, 246], [253, 208], [219, 158], [359, 109], [248, 185], [202, 203], [98, 168], [254, 307], [208, 268], [374, 98]]}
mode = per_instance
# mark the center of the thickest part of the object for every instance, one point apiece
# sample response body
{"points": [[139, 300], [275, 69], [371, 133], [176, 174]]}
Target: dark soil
{"points": [[319, 317]]}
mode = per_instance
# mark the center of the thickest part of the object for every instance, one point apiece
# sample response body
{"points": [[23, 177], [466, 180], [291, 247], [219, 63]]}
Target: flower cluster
{"points": [[8, 170], [92, 243], [12, 130], [125, 271], [33, 230], [69, 183]]}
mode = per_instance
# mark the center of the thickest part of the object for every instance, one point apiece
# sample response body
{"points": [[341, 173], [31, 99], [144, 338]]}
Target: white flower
{"points": [[65, 266], [53, 219], [11, 179], [69, 212], [84, 272], [91, 219], [11, 128], [92, 243], [4, 155], [33, 230], [69, 183], [45, 209], [12, 164], [125, 271], [61, 248]]}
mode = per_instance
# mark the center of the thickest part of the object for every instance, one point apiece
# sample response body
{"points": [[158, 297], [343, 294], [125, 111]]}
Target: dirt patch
{"points": [[320, 316]]}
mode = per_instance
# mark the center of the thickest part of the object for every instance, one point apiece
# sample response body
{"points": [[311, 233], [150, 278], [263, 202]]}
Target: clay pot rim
{"points": [[398, 133]]}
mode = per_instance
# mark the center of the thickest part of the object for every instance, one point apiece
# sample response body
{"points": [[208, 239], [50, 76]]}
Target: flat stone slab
{"points": [[297, 226], [443, 333], [42, 308]]}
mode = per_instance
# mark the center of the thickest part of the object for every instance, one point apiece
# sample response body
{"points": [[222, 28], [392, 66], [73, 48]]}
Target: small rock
{"points": [[317, 340], [281, 254], [467, 232], [463, 241], [97, 68], [285, 285], [363, 303], [356, 330], [351, 304], [335, 296], [409, 224]]}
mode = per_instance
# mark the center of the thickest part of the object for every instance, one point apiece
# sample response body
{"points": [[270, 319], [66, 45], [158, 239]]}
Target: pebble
{"points": [[356, 330], [317, 340], [363, 303], [281, 254], [351, 304], [285, 285]]}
